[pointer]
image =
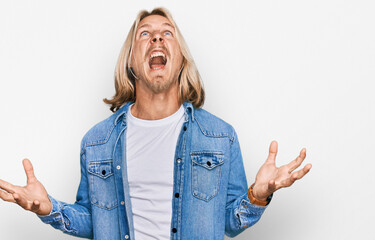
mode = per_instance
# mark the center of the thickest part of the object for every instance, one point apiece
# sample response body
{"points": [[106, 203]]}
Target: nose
{"points": [[156, 38]]}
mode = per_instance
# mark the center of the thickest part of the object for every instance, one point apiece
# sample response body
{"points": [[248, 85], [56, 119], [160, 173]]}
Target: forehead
{"points": [[154, 21]]}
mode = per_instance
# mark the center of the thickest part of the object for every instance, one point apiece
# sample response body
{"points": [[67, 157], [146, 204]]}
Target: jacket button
{"points": [[103, 172], [208, 163], [174, 230], [177, 195], [126, 236], [118, 167], [122, 202], [178, 160], [185, 128]]}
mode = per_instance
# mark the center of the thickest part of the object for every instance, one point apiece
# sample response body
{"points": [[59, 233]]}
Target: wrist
{"points": [[255, 192], [255, 200]]}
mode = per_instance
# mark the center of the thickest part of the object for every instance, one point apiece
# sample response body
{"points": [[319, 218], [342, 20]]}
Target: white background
{"points": [[299, 72]]}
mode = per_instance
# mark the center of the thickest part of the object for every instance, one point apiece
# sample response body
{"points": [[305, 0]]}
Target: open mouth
{"points": [[157, 60]]}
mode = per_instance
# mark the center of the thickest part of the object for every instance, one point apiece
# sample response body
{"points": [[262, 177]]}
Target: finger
{"points": [[36, 205], [297, 162], [7, 186], [272, 152], [6, 196], [21, 201], [297, 175], [29, 170]]}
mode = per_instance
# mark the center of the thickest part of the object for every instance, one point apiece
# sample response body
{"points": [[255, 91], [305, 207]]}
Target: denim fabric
{"points": [[210, 188]]}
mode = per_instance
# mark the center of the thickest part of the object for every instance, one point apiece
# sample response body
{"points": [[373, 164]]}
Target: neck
{"points": [[153, 106]]}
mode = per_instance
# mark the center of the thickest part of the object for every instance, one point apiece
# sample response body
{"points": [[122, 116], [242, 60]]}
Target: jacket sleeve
{"points": [[73, 219], [240, 213]]}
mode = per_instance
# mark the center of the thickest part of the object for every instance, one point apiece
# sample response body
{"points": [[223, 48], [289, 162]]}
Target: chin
{"points": [[159, 84]]}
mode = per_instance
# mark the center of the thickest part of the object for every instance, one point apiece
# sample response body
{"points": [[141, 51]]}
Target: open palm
{"points": [[271, 178], [32, 197]]}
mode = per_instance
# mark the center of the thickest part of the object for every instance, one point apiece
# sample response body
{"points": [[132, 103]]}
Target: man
{"points": [[160, 167]]}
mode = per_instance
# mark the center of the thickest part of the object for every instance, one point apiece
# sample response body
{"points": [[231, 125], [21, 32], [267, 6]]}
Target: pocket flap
{"points": [[102, 169], [208, 160]]}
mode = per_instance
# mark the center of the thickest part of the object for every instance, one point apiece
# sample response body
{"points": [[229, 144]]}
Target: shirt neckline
{"points": [[155, 123]]}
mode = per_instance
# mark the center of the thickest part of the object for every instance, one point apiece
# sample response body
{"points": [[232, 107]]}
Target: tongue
{"points": [[157, 62]]}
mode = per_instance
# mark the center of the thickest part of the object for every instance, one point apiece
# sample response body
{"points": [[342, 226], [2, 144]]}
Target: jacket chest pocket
{"points": [[102, 184], [206, 173]]}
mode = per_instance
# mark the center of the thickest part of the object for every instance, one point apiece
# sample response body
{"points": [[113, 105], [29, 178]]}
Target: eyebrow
{"points": [[167, 24], [148, 25], [145, 25]]}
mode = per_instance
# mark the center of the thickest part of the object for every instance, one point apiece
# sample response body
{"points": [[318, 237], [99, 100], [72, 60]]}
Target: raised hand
{"points": [[32, 197], [270, 178]]}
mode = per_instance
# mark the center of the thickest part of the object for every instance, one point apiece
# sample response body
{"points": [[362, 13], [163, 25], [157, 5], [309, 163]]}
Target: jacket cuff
{"points": [[55, 214], [247, 212], [247, 207]]}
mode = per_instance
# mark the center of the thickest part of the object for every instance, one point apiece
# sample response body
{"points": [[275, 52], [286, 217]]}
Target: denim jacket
{"points": [[209, 184]]}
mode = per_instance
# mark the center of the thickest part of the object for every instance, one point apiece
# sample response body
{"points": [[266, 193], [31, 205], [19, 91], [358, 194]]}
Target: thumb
{"points": [[271, 186], [29, 170], [35, 206], [272, 152]]}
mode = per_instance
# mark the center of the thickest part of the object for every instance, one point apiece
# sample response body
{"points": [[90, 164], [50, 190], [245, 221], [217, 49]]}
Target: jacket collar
{"points": [[122, 112]]}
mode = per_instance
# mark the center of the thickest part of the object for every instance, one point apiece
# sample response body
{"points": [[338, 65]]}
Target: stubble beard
{"points": [[158, 85]]}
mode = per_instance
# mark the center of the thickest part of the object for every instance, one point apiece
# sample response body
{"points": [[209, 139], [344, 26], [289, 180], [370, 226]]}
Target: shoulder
{"points": [[101, 132], [213, 126]]}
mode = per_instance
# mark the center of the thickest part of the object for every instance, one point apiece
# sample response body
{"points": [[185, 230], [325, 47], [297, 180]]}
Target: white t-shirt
{"points": [[150, 150]]}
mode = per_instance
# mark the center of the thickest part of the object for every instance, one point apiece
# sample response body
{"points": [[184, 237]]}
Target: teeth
{"points": [[157, 54]]}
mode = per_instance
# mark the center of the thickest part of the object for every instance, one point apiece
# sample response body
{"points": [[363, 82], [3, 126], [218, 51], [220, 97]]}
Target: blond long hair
{"points": [[190, 84]]}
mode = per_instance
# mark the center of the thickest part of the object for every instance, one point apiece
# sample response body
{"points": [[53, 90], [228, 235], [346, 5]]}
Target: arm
{"points": [[240, 213], [73, 219], [268, 179]]}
